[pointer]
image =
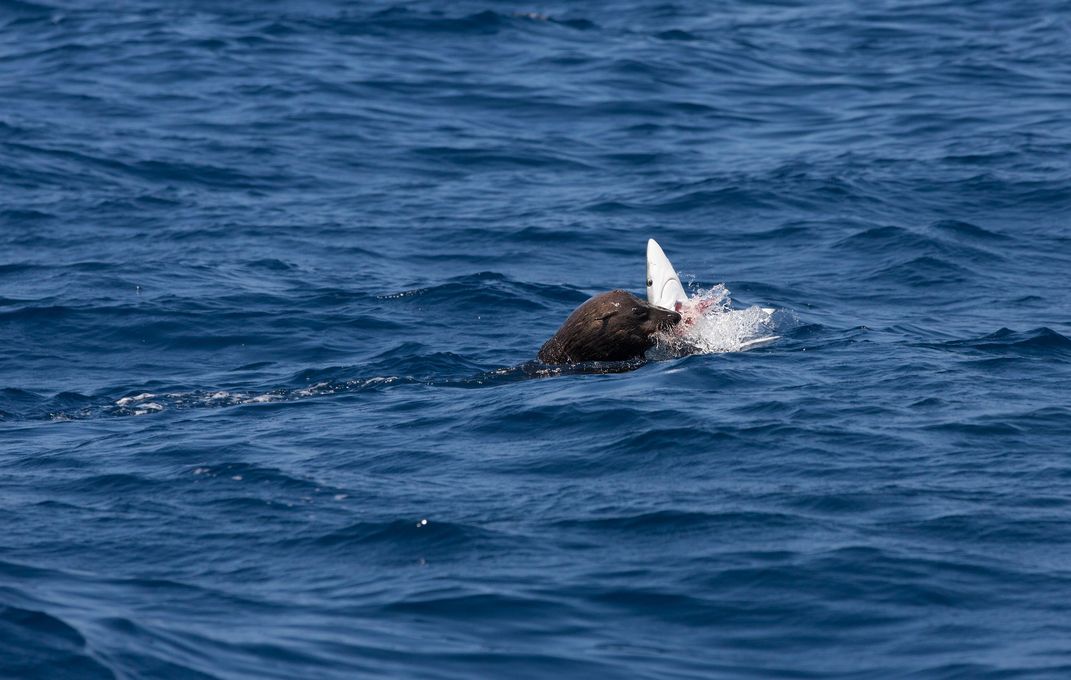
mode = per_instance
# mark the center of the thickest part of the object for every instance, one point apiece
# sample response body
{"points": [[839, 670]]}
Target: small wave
{"points": [[662, 522], [925, 271], [1039, 341], [25, 8], [402, 18], [19, 216], [487, 291], [14, 400], [111, 484], [275, 478], [788, 232], [966, 231], [507, 609], [417, 539], [68, 406], [948, 242], [677, 34], [499, 158], [408, 363], [399, 19], [146, 403], [36, 644]]}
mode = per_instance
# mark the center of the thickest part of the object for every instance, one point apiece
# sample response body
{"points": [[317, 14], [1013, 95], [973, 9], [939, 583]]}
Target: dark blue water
{"points": [[270, 274]]}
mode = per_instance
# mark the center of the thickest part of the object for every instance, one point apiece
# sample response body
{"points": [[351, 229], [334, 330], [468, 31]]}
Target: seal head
{"points": [[614, 326]]}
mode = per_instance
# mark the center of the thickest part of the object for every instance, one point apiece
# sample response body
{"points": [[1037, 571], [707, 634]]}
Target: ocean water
{"points": [[273, 276]]}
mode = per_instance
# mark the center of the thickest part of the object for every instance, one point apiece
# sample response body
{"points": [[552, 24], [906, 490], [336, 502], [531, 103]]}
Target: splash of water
{"points": [[709, 324]]}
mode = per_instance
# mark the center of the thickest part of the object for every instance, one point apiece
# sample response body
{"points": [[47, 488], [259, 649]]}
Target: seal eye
{"points": [[650, 283]]}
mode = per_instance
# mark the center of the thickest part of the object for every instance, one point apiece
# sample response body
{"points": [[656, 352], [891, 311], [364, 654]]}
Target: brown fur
{"points": [[614, 326]]}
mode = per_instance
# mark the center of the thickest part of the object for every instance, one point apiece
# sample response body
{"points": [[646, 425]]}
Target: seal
{"points": [[614, 326]]}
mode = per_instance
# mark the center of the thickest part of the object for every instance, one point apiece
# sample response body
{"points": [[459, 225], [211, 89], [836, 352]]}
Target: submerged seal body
{"points": [[614, 326]]}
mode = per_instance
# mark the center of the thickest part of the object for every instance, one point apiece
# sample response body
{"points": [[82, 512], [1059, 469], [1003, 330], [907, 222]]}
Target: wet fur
{"points": [[614, 326]]}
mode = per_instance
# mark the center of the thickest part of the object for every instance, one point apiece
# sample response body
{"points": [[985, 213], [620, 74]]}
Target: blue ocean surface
{"points": [[273, 276]]}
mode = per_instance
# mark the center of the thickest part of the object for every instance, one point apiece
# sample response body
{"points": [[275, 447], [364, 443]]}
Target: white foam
{"points": [[263, 398], [315, 390], [151, 407], [709, 325], [125, 401]]}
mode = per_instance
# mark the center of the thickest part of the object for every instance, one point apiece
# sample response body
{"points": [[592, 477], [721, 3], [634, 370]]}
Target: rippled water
{"points": [[272, 277]]}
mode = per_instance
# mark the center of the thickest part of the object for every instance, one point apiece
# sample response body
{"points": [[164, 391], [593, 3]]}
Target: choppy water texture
{"points": [[271, 274]]}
